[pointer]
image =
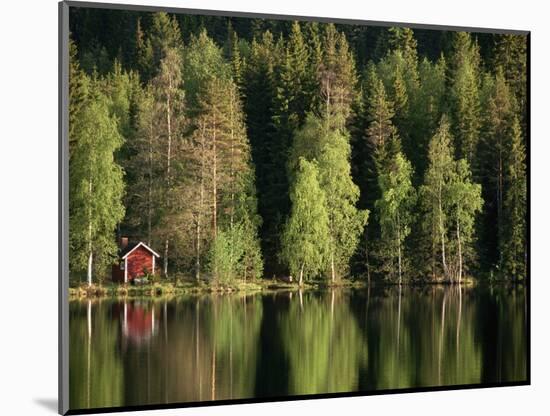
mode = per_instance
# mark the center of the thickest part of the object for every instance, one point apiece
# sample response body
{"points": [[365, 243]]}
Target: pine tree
{"points": [[399, 71], [305, 239], [235, 58], [381, 132], [144, 53], [426, 110], [164, 36], [514, 242], [395, 211], [498, 115], [78, 93], [152, 46], [402, 38], [144, 167], [204, 61], [269, 152], [337, 78], [223, 176], [511, 55], [464, 96], [170, 121]]}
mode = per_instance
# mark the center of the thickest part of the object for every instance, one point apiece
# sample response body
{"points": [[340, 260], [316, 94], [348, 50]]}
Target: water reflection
{"points": [[234, 346]]}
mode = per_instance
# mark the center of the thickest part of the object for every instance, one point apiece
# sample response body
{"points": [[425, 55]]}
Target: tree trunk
{"points": [[434, 254], [168, 160], [90, 253], [500, 202], [214, 184], [459, 251], [231, 167], [399, 248], [90, 260], [332, 272], [198, 247], [201, 205], [442, 232], [165, 259], [150, 185], [367, 256], [300, 280]]}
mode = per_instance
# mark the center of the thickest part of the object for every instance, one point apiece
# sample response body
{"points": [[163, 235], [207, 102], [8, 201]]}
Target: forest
{"points": [[243, 149]]}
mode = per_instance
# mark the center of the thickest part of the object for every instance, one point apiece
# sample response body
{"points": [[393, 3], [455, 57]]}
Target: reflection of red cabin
{"points": [[138, 323], [135, 260]]}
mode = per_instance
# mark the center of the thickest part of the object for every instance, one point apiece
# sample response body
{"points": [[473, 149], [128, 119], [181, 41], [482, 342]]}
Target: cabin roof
{"points": [[133, 246]]}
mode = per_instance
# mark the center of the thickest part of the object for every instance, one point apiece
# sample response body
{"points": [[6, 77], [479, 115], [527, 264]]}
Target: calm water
{"points": [[234, 346]]}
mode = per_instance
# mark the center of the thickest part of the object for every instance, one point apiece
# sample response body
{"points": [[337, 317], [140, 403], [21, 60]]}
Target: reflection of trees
{"points": [[234, 322], [436, 342], [96, 377], [236, 346], [503, 333], [206, 349], [443, 335], [323, 344]]}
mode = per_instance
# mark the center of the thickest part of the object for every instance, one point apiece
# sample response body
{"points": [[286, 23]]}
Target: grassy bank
{"points": [[183, 287]]}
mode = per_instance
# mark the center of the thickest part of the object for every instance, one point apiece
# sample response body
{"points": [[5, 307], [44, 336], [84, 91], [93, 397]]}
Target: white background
{"points": [[28, 205]]}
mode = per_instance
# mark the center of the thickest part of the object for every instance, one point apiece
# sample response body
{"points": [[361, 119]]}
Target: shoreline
{"points": [[188, 287]]}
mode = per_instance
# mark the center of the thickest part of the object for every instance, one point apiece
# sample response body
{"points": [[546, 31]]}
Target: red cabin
{"points": [[135, 260]]}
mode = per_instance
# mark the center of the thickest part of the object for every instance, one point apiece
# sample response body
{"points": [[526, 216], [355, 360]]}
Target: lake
{"points": [[235, 346]]}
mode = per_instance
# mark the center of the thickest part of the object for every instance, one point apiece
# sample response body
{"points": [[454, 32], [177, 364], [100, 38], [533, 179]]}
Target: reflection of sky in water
{"points": [[234, 346]]}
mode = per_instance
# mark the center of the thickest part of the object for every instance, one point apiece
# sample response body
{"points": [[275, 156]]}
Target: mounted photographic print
{"points": [[262, 208]]}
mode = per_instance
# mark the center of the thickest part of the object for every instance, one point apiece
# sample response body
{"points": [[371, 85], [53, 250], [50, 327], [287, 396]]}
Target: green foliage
{"points": [[92, 362], [499, 112], [465, 203], [337, 77], [514, 248], [395, 211], [510, 55], [96, 185], [433, 195], [451, 201], [464, 92], [330, 149], [163, 35], [306, 234], [214, 116], [226, 255], [346, 222], [204, 62], [425, 111], [330, 363], [381, 131], [78, 93]]}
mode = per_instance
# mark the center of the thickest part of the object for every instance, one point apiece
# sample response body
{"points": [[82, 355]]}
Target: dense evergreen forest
{"points": [[250, 148]]}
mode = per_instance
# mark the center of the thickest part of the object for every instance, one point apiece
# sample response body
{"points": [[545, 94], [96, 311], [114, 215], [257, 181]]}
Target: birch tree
{"points": [[465, 202], [434, 193], [395, 211], [96, 187], [306, 233]]}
